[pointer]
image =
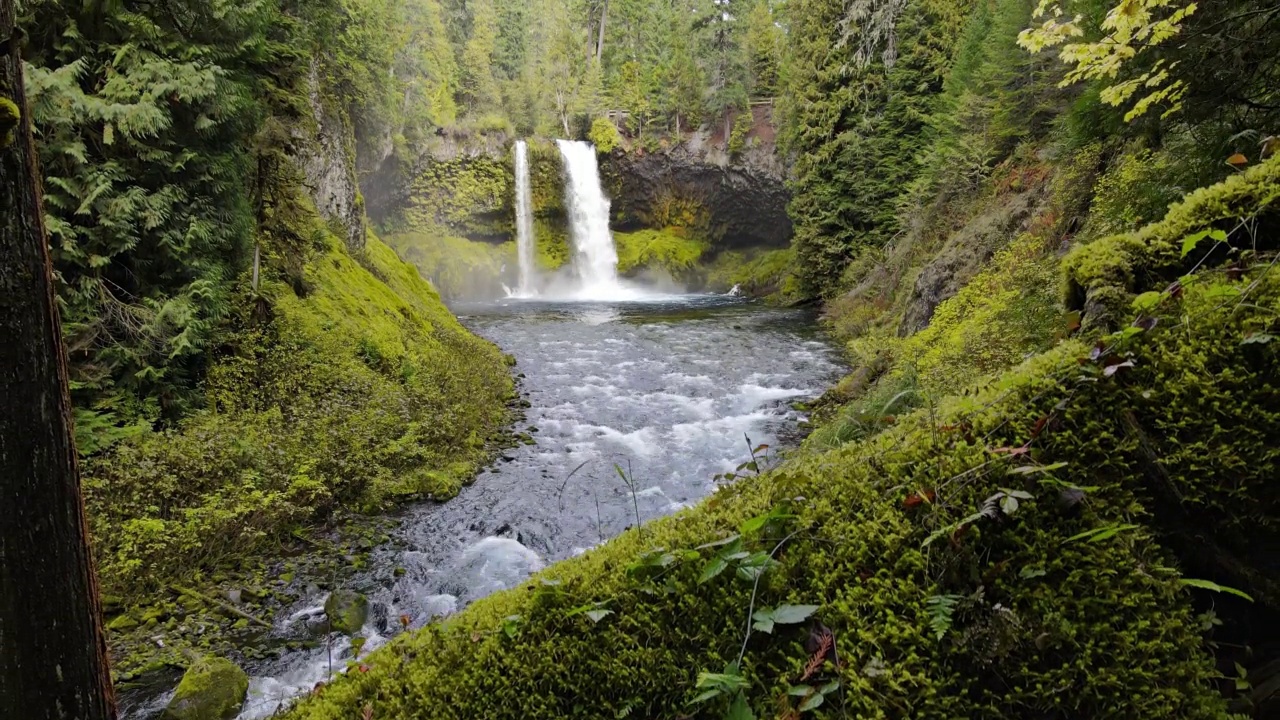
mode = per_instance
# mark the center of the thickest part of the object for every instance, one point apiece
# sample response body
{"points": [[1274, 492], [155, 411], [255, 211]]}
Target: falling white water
{"points": [[524, 223], [595, 258]]}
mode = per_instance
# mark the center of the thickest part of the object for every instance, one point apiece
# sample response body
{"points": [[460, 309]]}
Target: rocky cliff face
{"points": [[740, 201], [464, 183], [327, 161]]}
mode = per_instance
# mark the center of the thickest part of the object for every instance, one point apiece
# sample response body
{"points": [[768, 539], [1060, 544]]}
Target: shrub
{"points": [[604, 135]]}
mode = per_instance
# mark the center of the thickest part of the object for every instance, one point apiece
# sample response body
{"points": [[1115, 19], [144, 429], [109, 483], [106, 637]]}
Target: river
{"points": [[668, 389]]}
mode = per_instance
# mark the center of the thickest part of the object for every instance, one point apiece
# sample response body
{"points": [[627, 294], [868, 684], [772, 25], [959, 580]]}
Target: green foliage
{"points": [[757, 273], [1006, 312], [455, 267], [854, 112], [470, 197], [668, 250], [604, 135], [1105, 274], [742, 125], [404, 398]]}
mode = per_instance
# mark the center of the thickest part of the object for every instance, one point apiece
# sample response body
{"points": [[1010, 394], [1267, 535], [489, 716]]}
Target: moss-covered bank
{"points": [[357, 391], [1002, 553]]}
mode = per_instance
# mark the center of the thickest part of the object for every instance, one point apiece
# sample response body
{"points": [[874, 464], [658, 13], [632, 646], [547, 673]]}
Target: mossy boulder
{"points": [[213, 688], [1102, 277], [347, 610]]}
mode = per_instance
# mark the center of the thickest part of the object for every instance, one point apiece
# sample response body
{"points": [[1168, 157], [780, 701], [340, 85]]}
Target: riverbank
{"points": [[353, 392]]}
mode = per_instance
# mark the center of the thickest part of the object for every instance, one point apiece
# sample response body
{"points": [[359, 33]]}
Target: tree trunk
{"points": [[53, 662], [604, 12]]}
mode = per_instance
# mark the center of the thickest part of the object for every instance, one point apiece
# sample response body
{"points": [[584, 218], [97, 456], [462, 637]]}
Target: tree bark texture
{"points": [[53, 662]]}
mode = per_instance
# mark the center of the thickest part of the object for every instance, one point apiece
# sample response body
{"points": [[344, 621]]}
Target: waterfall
{"points": [[595, 258], [524, 222]]}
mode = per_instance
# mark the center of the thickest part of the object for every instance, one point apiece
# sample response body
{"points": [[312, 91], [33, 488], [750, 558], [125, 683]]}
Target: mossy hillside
{"points": [[1007, 311], [1069, 589], [758, 273], [364, 391]]}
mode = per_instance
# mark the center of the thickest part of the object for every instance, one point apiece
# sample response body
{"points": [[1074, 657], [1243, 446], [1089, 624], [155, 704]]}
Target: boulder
{"points": [[213, 688], [347, 611]]}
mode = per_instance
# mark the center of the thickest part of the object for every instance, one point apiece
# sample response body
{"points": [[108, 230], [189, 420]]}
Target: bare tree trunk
{"points": [[604, 12], [53, 655]]}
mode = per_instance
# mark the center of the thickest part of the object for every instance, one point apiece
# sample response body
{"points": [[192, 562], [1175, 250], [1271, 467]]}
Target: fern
{"points": [[941, 609]]}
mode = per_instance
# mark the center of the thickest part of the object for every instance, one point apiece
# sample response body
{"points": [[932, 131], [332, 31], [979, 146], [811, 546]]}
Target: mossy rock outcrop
{"points": [[1016, 551], [213, 688], [347, 610], [1103, 276]]}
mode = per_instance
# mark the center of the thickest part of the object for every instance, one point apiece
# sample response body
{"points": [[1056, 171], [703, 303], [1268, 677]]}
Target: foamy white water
{"points": [[595, 259], [524, 223]]}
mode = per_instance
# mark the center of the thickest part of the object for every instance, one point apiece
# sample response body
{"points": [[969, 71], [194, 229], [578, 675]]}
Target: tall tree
{"points": [[726, 69], [53, 662], [479, 87]]}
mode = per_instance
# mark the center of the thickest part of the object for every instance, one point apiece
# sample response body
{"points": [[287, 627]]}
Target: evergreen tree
{"points": [[479, 88], [726, 69]]}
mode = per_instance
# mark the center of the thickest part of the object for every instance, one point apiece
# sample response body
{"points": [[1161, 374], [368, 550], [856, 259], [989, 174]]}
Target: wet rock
{"points": [[347, 610], [213, 688]]}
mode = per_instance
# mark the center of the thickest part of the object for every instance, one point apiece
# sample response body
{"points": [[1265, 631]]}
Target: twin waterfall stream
{"points": [[675, 387], [595, 259]]}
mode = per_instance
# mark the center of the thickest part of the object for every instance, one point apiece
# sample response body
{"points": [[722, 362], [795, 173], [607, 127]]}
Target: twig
{"points": [[225, 606]]}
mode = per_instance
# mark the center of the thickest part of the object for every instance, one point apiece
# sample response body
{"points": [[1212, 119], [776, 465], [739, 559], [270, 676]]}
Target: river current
{"points": [[669, 389]]}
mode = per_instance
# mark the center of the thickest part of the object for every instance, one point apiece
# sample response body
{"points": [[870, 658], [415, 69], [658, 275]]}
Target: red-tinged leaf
{"points": [[1039, 426], [1238, 160], [1073, 321], [889, 419], [919, 498], [1175, 290], [404, 621], [364, 668]]}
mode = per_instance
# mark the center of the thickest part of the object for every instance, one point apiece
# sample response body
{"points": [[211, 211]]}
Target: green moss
{"points": [[346, 611], [9, 117], [469, 196], [458, 268], [668, 250], [1102, 277], [758, 273], [361, 393], [213, 688]]}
